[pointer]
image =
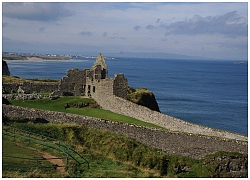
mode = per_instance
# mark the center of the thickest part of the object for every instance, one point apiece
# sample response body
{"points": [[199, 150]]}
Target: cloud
{"points": [[112, 36], [86, 33], [116, 36], [35, 11], [41, 29], [70, 23], [158, 21], [150, 27], [4, 24], [105, 34], [233, 46], [137, 28], [5, 38], [229, 24]]}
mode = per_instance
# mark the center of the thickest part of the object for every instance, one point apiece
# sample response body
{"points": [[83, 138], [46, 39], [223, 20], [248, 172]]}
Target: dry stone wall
{"points": [[185, 144], [122, 106], [24, 96], [29, 87]]}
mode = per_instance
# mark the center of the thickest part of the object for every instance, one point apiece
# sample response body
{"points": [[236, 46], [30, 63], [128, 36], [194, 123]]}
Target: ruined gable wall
{"points": [[74, 82], [120, 86]]}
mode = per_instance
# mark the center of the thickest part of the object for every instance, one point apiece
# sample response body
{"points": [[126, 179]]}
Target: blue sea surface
{"points": [[210, 93]]}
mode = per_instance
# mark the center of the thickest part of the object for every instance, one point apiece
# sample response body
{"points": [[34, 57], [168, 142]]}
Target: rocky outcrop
{"points": [[5, 68], [234, 165], [144, 97]]}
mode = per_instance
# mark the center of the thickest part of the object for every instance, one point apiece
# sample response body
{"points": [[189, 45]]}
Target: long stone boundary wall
{"points": [[122, 106], [30, 87], [185, 144]]}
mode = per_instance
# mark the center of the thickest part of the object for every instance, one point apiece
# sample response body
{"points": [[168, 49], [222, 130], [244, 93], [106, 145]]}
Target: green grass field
{"points": [[114, 155], [100, 165], [12, 79], [20, 161], [59, 105]]}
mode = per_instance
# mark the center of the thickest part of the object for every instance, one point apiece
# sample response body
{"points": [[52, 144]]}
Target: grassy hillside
{"points": [[10, 148], [114, 155], [60, 104], [10, 79]]}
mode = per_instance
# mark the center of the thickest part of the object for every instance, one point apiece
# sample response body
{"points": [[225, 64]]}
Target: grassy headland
{"points": [[60, 104], [15, 79]]}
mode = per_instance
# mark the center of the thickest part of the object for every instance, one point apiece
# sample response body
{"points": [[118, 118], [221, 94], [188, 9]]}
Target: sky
{"points": [[207, 29]]}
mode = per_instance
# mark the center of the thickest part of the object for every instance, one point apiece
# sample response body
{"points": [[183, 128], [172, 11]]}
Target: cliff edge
{"points": [[144, 97], [5, 68]]}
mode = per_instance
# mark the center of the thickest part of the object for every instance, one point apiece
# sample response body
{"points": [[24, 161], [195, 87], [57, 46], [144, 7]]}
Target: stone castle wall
{"points": [[185, 144], [122, 106], [120, 86], [72, 84], [107, 87], [100, 88], [29, 87]]}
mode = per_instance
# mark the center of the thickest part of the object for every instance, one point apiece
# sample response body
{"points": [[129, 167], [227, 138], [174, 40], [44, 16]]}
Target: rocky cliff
{"points": [[144, 97], [5, 68]]}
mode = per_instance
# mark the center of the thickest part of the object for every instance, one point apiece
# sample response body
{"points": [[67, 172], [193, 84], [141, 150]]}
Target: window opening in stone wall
{"points": [[89, 90], [93, 89], [103, 74], [84, 89]]}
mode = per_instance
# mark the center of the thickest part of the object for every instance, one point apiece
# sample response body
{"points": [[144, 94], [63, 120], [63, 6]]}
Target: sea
{"points": [[212, 93]]}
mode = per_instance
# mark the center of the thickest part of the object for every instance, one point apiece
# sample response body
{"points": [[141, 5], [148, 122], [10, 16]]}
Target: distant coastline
{"points": [[33, 57]]}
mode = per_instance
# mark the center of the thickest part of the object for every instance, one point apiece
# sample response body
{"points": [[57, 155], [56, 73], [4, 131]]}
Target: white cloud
{"points": [[36, 11], [4, 24], [86, 33], [41, 29], [228, 24], [137, 28], [209, 29]]}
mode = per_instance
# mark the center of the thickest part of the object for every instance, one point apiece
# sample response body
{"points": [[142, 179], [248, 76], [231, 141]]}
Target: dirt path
{"points": [[56, 162]]}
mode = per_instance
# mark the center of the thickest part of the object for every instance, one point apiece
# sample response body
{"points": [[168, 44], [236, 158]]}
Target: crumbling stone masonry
{"points": [[93, 82], [29, 87]]}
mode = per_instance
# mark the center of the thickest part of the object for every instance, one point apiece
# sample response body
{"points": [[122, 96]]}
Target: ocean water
{"points": [[210, 93]]}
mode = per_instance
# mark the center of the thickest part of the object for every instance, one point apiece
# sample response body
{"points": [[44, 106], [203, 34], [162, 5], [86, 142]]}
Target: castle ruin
{"points": [[111, 94], [93, 82]]}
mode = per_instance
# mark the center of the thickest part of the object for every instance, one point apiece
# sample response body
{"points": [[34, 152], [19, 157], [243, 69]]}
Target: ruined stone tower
{"points": [[99, 69]]}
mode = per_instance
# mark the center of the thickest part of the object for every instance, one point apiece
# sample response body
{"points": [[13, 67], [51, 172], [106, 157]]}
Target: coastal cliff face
{"points": [[5, 68], [144, 97]]}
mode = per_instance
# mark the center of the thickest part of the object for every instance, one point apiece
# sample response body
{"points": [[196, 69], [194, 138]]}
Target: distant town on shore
{"points": [[27, 56]]}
